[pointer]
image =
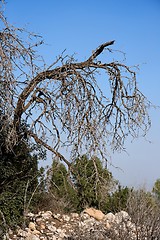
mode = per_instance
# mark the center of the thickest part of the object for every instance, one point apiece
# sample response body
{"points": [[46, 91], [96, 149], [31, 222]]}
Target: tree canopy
{"points": [[64, 104]]}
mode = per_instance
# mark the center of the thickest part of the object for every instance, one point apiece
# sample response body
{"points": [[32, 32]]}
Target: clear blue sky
{"points": [[79, 27]]}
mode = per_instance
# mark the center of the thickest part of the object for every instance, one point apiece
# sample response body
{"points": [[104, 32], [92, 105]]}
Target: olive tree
{"points": [[85, 106]]}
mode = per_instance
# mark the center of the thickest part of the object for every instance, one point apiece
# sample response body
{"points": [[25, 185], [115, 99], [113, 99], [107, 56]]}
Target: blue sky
{"points": [[81, 26]]}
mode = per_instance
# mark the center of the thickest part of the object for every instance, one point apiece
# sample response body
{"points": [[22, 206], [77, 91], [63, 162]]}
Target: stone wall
{"points": [[91, 224]]}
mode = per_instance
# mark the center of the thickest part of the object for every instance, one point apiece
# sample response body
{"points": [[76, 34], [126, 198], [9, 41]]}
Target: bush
{"points": [[144, 211], [118, 200], [18, 178]]}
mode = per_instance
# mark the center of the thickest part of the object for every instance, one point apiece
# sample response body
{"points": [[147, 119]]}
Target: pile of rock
{"points": [[90, 224]]}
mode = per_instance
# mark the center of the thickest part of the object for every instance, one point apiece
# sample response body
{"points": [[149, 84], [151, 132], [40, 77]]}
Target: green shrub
{"points": [[18, 178], [118, 200]]}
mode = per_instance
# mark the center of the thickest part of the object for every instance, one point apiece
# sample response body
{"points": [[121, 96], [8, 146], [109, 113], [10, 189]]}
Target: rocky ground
{"points": [[90, 224]]}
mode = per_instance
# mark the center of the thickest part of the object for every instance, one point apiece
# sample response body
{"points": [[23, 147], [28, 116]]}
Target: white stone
{"points": [[66, 218], [84, 216], [35, 232], [47, 215], [21, 233], [57, 215], [42, 226], [39, 220], [32, 237], [89, 222], [74, 215], [58, 230], [30, 215], [52, 228], [62, 235], [122, 216], [107, 225], [32, 226], [110, 217], [54, 238]]}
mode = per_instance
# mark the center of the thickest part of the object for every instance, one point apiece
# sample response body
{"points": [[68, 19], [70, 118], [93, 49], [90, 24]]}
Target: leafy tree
{"points": [[87, 185], [156, 189], [59, 179], [92, 182], [62, 188], [63, 102], [61, 184]]}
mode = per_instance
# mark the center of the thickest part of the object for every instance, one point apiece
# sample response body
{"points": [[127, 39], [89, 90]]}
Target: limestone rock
{"points": [[110, 217], [36, 232], [108, 225], [22, 233], [66, 218], [32, 237], [32, 226], [42, 226], [97, 214], [51, 228], [74, 215], [47, 215], [122, 216]]}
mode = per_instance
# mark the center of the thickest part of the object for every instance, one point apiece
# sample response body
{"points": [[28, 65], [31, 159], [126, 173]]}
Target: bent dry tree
{"points": [[64, 104]]}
